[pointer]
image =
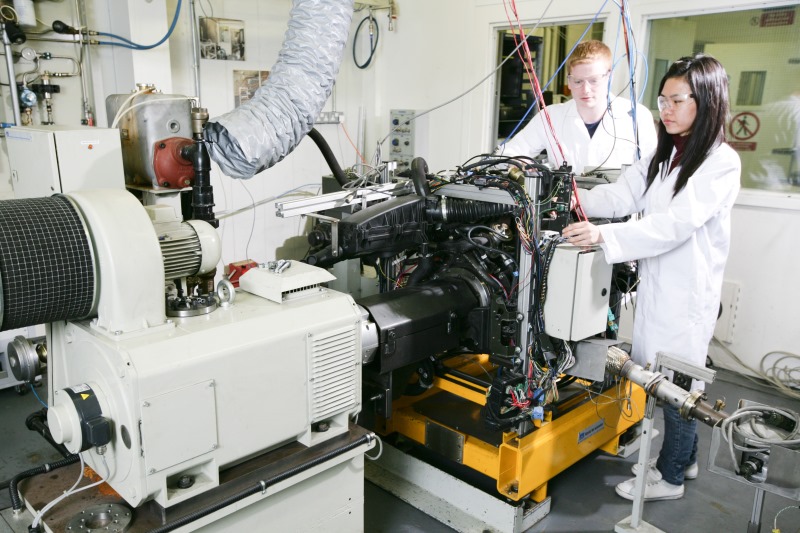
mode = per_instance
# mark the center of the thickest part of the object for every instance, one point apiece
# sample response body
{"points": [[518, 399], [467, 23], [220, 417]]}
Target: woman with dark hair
{"points": [[685, 192]]}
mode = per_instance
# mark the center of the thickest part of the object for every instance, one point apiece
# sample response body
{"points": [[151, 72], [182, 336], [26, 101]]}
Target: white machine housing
{"points": [[214, 391], [192, 395], [47, 160], [578, 282]]}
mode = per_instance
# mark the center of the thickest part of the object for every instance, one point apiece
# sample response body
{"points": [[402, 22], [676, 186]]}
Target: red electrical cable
{"points": [[527, 60], [578, 207]]}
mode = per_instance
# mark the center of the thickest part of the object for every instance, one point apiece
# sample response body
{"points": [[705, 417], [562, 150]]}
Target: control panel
{"points": [[401, 138]]}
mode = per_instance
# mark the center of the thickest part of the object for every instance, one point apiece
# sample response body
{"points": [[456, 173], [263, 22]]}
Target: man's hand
{"points": [[582, 234]]}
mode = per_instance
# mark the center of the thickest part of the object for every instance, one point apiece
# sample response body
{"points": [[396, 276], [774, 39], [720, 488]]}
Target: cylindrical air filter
{"points": [[47, 270]]}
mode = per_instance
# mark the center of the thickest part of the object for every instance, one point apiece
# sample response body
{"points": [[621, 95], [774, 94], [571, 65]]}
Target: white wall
{"points": [[437, 51], [458, 49]]}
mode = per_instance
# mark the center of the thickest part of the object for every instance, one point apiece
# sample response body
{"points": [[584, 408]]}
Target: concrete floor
{"points": [[583, 497]]}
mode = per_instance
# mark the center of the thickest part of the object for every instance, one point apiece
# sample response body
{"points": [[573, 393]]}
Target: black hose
{"points": [[419, 176], [202, 190], [36, 421], [462, 210], [16, 501], [261, 486], [373, 43], [424, 267], [327, 153]]}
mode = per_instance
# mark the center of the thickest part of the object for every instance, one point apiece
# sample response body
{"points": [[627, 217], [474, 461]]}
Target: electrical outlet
{"points": [[330, 117]]}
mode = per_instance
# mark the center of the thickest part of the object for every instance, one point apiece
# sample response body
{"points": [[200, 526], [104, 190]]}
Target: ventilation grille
{"points": [[286, 295], [46, 264], [181, 251], [333, 373]]}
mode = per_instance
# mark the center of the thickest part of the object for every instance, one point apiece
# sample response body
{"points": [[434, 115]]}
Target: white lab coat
{"points": [[682, 244], [611, 146]]}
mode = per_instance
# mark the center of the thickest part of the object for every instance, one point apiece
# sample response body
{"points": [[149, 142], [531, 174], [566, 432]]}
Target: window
{"points": [[751, 88], [760, 49], [549, 47]]}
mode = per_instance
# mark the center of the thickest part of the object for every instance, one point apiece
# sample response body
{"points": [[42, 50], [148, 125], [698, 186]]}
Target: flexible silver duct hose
{"points": [[265, 129]]}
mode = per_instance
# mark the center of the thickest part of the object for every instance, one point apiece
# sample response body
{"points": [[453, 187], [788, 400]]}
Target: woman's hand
{"points": [[582, 234]]}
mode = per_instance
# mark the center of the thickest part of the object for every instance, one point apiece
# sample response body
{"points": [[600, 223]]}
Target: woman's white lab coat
{"points": [[682, 244], [611, 146]]}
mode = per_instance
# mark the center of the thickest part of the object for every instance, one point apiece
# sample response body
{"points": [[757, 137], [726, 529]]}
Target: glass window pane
{"points": [[751, 88], [549, 46], [760, 49]]}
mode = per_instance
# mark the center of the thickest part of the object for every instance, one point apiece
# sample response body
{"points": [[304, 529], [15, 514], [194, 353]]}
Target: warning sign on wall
{"points": [[783, 17], [740, 146], [744, 126]]}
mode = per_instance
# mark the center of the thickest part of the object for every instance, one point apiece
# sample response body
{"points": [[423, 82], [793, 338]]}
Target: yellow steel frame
{"points": [[522, 466]]}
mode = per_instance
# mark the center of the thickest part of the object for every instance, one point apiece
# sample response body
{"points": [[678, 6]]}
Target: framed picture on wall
{"points": [[221, 38], [246, 83]]}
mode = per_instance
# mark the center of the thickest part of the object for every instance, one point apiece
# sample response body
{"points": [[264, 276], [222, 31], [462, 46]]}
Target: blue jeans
{"points": [[679, 448]]}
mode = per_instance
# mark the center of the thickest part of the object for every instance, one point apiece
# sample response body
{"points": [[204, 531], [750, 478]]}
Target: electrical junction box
{"points": [[578, 283], [47, 160]]}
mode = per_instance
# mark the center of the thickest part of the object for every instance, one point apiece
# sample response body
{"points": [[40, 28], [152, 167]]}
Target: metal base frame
{"points": [[466, 508], [336, 486], [634, 522], [522, 466], [625, 526]]}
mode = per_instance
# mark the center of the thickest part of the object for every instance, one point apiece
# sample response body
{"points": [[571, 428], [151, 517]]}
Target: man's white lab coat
{"points": [[611, 146]]}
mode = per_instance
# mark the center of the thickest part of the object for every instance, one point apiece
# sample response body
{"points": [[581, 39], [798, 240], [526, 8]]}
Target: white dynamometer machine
{"points": [[164, 408]]}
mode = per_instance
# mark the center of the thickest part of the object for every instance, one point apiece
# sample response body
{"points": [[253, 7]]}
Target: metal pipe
{"points": [[689, 404], [74, 40], [469, 378], [195, 52], [88, 98], [12, 78]]}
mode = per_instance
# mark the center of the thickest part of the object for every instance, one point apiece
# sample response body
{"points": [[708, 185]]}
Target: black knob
{"points": [[62, 27]]}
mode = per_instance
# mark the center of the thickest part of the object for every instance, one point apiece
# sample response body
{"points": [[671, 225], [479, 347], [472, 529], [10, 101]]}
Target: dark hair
{"points": [[709, 85]]}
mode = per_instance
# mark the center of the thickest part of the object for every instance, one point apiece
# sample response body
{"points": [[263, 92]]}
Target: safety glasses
{"points": [[674, 101]]}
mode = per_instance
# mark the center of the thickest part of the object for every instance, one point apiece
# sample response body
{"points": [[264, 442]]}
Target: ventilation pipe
{"points": [[265, 129]]}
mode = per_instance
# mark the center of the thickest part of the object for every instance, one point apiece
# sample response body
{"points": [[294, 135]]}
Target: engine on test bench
{"points": [[451, 259]]}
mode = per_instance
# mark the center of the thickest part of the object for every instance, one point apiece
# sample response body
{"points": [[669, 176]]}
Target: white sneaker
{"points": [[690, 472], [655, 489]]}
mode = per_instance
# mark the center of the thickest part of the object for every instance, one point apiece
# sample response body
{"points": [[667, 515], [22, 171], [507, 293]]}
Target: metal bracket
{"points": [[334, 231], [345, 198], [664, 360], [668, 362]]}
